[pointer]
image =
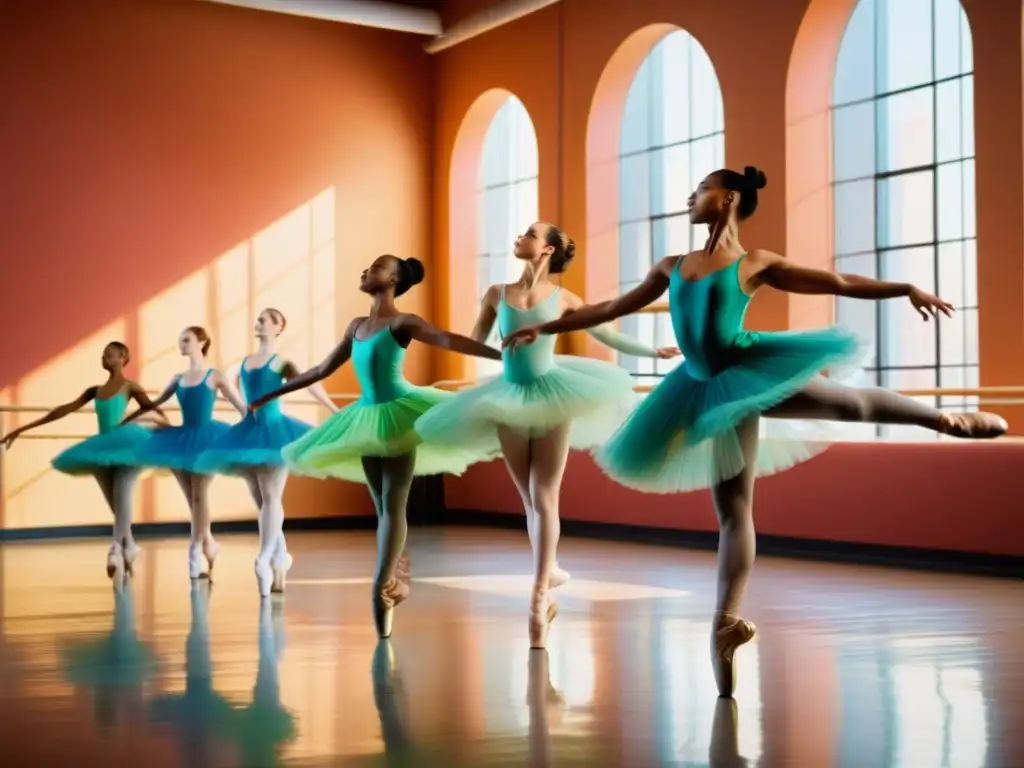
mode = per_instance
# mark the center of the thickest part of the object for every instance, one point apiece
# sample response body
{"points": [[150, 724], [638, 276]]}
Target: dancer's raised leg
{"points": [[737, 547]]}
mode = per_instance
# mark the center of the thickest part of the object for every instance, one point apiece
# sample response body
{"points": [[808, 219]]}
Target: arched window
{"points": [[903, 164], [507, 199], [672, 136]]}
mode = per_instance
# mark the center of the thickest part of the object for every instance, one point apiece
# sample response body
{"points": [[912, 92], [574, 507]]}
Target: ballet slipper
{"points": [[280, 567], [115, 563], [264, 577], [210, 551], [973, 426], [386, 599], [131, 554], [728, 636], [543, 611]]}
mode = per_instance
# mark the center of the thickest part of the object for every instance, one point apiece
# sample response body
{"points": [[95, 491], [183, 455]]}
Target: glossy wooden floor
{"points": [[862, 667]]}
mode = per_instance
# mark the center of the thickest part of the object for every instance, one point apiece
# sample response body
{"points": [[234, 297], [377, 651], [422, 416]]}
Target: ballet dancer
{"points": [[699, 427], [179, 448], [542, 404], [109, 456], [373, 438], [252, 448]]}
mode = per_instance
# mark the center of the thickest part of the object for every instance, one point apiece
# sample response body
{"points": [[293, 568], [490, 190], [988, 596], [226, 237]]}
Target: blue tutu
{"points": [[114, 446], [257, 440]]}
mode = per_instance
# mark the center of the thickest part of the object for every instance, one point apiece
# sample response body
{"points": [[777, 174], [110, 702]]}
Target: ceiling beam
{"points": [[365, 13], [484, 20]]}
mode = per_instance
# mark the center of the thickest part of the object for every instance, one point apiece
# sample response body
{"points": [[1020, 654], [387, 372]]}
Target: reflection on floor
{"points": [[852, 667]]}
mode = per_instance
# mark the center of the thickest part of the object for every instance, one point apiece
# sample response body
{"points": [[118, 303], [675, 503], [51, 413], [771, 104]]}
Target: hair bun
{"points": [[755, 177], [415, 269]]}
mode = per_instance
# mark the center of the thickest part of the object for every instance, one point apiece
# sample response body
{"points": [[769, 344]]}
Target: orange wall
{"points": [[173, 162], [571, 67]]}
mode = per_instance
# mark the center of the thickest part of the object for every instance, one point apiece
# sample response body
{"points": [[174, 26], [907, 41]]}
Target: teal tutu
{"points": [[118, 448], [255, 441], [592, 395], [113, 661], [336, 448], [180, 448], [682, 436]]}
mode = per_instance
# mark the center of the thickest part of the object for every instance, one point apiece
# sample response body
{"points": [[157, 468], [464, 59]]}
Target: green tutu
{"points": [[336, 448]]}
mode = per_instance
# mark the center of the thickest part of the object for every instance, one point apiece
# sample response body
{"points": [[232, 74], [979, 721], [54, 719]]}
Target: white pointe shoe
{"points": [[281, 567], [131, 554], [264, 577], [115, 563]]}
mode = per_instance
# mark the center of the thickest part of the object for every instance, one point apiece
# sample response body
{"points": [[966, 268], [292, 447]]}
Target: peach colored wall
{"points": [[571, 66], [172, 162]]}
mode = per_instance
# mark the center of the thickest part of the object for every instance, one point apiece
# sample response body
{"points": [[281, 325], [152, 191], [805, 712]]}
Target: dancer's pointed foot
{"points": [[264, 577], [210, 551], [973, 426], [729, 634], [543, 611], [281, 566], [131, 553], [115, 563], [385, 600]]}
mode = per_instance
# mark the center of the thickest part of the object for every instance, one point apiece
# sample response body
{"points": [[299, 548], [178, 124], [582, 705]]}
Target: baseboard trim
{"points": [[942, 561]]}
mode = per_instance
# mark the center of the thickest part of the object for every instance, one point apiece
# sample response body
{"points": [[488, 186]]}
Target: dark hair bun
{"points": [[755, 177], [415, 269], [570, 250]]}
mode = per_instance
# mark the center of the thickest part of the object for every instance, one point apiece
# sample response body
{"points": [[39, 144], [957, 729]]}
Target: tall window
{"points": [[903, 132], [507, 199], [672, 136]]}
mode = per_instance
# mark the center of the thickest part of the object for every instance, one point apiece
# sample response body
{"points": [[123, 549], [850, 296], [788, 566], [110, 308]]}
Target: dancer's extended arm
{"points": [[337, 358], [222, 385], [776, 272], [153, 405], [484, 325], [290, 371], [57, 413], [415, 327], [608, 335], [140, 396]]}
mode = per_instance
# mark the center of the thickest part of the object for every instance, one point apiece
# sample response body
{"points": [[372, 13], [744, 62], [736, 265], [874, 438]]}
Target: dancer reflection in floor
{"points": [[542, 404], [205, 718], [252, 448], [115, 667], [699, 427], [373, 439], [180, 448], [110, 456], [389, 696], [265, 725]]}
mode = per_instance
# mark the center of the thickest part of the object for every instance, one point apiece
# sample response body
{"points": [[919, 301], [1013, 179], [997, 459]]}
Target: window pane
{"points": [[905, 130], [854, 77], [671, 236], [952, 377], [952, 348], [951, 273], [967, 115], [634, 187], [910, 265], [525, 161], [971, 335], [854, 216], [629, 325], [966, 44], [969, 210], [636, 115], [947, 38], [670, 71], [496, 167], [498, 221], [671, 171], [705, 93], [948, 121], [951, 197], [905, 214], [970, 273], [634, 251], [854, 141], [906, 339], [720, 150], [904, 45], [526, 206], [702, 160], [859, 316]]}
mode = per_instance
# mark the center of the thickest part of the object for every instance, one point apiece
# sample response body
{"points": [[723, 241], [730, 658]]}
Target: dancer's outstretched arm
{"points": [[222, 385], [140, 396], [776, 272], [413, 327], [153, 405], [337, 358], [487, 315], [290, 371], [57, 413], [591, 315], [611, 337]]}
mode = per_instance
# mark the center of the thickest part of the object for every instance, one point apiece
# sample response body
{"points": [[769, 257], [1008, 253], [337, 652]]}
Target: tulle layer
{"points": [[336, 448], [180, 448], [255, 441], [683, 436], [118, 448], [592, 395]]}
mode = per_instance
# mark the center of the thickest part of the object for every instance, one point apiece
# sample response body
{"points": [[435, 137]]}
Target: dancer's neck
{"points": [[533, 276], [383, 306]]}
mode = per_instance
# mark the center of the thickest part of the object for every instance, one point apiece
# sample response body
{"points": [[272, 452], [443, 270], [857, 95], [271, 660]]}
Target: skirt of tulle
{"points": [[683, 436], [255, 441], [180, 448], [337, 447], [593, 396], [120, 447], [109, 662]]}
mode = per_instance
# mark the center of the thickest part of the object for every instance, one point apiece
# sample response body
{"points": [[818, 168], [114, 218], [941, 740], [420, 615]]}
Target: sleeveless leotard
{"points": [[181, 447], [683, 436], [257, 440], [536, 392], [379, 423], [114, 446]]}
